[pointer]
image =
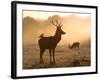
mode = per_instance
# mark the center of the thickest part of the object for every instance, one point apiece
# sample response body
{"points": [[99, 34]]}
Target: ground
{"points": [[64, 56]]}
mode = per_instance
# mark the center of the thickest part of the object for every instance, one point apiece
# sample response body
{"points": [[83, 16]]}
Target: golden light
{"points": [[77, 27]]}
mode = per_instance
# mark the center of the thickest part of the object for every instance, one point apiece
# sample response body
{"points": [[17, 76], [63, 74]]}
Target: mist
{"points": [[77, 28]]}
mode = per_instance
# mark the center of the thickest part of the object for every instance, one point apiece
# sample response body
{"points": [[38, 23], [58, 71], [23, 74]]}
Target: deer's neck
{"points": [[57, 37], [70, 47]]}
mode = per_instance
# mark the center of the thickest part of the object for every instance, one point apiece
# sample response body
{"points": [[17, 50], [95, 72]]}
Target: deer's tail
{"points": [[41, 36]]}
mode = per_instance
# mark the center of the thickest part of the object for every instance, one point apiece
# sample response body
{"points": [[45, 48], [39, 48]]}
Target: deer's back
{"points": [[47, 42], [76, 44]]}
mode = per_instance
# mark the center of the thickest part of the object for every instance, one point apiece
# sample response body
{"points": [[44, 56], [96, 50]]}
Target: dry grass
{"points": [[64, 57]]}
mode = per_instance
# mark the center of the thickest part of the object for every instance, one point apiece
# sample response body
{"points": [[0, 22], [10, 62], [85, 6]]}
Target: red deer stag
{"points": [[51, 42], [74, 45]]}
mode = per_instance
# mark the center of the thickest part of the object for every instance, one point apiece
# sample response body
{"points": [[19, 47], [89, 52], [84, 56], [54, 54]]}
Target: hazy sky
{"points": [[77, 26], [44, 15]]}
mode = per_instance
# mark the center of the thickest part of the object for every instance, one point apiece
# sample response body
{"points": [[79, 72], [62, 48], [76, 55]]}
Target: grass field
{"points": [[64, 56]]}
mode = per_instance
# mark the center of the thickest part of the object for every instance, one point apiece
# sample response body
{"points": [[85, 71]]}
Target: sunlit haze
{"points": [[77, 27]]}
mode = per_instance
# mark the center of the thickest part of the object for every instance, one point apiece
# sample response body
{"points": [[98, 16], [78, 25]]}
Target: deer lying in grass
{"points": [[74, 45], [51, 42]]}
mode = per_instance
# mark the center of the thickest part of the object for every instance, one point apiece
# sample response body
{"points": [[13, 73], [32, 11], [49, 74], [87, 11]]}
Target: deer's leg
{"points": [[41, 54], [50, 56], [54, 56], [78, 47]]}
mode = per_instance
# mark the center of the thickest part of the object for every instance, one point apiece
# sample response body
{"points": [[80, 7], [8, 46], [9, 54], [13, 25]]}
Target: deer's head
{"points": [[56, 21], [59, 30]]}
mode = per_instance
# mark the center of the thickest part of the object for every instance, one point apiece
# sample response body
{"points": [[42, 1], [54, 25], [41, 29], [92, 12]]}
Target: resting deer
{"points": [[51, 42], [74, 45]]}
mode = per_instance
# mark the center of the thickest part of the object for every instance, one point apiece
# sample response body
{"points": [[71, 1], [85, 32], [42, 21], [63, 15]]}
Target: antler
{"points": [[58, 23], [51, 19], [55, 20]]}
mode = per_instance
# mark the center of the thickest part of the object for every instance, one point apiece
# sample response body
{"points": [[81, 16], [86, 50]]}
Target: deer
{"points": [[51, 42], [74, 45]]}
